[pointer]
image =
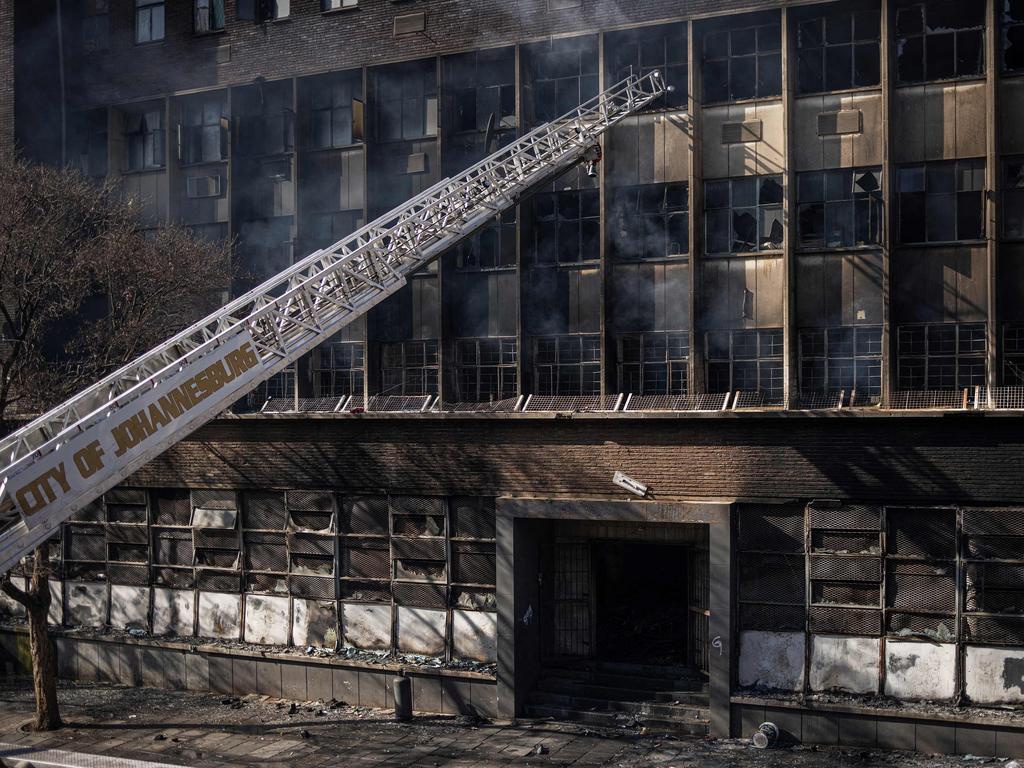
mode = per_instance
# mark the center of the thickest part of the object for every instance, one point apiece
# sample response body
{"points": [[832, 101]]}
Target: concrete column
{"points": [[720, 603]]}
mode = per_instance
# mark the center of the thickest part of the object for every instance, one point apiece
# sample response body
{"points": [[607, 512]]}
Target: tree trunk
{"points": [[36, 599]]}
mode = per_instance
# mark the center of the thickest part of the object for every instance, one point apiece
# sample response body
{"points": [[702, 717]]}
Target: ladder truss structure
{"points": [[68, 457]]}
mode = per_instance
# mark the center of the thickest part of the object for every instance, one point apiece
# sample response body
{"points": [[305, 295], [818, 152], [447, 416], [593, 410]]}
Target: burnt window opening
{"points": [[95, 25], [941, 201], [339, 368], [939, 40], [941, 356], [88, 143], [493, 247], [486, 369], [405, 101], [838, 50], [265, 122], [144, 139], [567, 365], [409, 368], [332, 110], [480, 99], [203, 130], [743, 63], [650, 221], [149, 21], [566, 227], [1013, 36], [839, 208], [209, 16], [653, 363], [846, 358], [743, 215], [1012, 212], [1013, 354], [324, 229], [559, 76], [746, 361], [642, 51]]}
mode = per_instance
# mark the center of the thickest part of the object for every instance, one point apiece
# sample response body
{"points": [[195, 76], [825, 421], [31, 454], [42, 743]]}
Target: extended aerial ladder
{"points": [[70, 456]]}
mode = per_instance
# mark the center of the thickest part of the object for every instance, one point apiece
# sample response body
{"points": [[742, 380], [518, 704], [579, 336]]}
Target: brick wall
{"points": [[894, 460], [6, 77], [310, 41]]}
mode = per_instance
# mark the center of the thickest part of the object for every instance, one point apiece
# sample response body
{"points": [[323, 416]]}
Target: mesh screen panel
{"points": [[473, 517], [419, 525], [312, 565], [997, 630], [264, 510], [218, 581], [366, 590], [776, 578], [365, 514], [845, 621], [845, 541], [127, 534], [312, 586], [997, 575], [217, 539], [994, 522], [924, 533], [417, 505], [172, 577], [264, 582], [217, 558], [86, 544], [773, 618], [421, 595], [995, 547], [172, 550], [124, 513], [915, 592], [311, 521], [128, 553], [866, 595], [210, 498], [473, 563], [367, 562], [172, 507], [135, 496], [936, 627], [845, 568], [92, 513], [771, 528], [473, 599], [418, 549], [311, 501], [312, 545], [848, 517], [85, 571], [266, 553], [129, 575]]}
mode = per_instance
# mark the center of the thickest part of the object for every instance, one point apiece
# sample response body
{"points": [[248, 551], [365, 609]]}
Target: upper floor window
{"points": [[746, 361], [96, 25], [485, 369], [331, 104], [409, 368], [941, 201], [559, 77], [338, 368], [653, 363], [204, 130], [567, 226], [209, 15], [845, 358], [743, 63], [335, 5], [641, 51], [567, 365], [941, 356], [1013, 198], [406, 101], [650, 221], [939, 40], [493, 247], [1013, 36], [838, 50], [839, 208], [1013, 354], [144, 140], [743, 215], [149, 20]]}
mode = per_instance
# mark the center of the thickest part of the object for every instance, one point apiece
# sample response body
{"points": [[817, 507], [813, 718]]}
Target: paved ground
{"points": [[208, 731]]}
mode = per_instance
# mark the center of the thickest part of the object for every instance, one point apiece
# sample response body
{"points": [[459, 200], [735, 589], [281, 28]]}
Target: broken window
{"points": [[567, 365], [566, 228], [747, 361], [839, 208], [847, 358], [405, 98], [639, 52], [265, 122], [339, 368], [486, 369], [209, 15], [409, 368], [480, 99], [939, 40], [650, 221], [1012, 212], [743, 63], [149, 20], [653, 363], [144, 139], [1013, 36], [493, 247], [837, 50], [203, 130], [743, 215], [1013, 354], [559, 76], [941, 356], [215, 540], [96, 25], [941, 201], [329, 104]]}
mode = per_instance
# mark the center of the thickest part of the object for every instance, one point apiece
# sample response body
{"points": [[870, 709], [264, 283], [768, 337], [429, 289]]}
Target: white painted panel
{"points": [[844, 663], [173, 611], [920, 670], [475, 635], [366, 626], [86, 604], [267, 620], [772, 660], [220, 615], [8, 605], [56, 614], [314, 622], [995, 675], [421, 631], [129, 607]]}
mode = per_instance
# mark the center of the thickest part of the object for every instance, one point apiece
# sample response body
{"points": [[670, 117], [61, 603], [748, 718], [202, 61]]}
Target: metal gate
{"points": [[569, 596], [697, 601]]}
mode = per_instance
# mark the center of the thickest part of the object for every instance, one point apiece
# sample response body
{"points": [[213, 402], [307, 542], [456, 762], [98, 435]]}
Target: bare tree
{"points": [[85, 287]]}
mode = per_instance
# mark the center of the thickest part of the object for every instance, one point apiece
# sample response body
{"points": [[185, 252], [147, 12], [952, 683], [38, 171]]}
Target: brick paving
{"points": [[209, 731]]}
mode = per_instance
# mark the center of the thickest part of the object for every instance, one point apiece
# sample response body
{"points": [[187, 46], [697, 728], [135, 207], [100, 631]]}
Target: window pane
{"points": [[941, 217], [940, 55], [743, 77], [838, 67], [866, 65]]}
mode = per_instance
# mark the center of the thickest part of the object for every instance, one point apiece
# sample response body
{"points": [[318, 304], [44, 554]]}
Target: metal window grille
{"points": [[486, 369], [568, 366], [409, 368], [743, 215], [746, 361], [653, 363]]}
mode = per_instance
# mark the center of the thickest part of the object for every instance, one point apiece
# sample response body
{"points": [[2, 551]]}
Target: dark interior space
{"points": [[641, 608]]}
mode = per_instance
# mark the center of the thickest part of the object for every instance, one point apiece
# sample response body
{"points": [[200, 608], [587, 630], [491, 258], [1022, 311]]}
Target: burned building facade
{"points": [[790, 303]]}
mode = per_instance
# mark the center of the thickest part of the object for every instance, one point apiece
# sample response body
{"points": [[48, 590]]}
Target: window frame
{"points": [[429, 368], [331, 376], [976, 167], [875, 207], [95, 26], [588, 373], [151, 139], [149, 8], [730, 60], [901, 40], [871, 353], [551, 244], [675, 378], [674, 70], [823, 47], [209, 14], [634, 220], [927, 358], [760, 208], [505, 368], [193, 135], [768, 358]]}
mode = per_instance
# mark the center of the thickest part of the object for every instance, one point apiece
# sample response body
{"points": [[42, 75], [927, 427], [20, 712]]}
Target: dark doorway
{"points": [[641, 601]]}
